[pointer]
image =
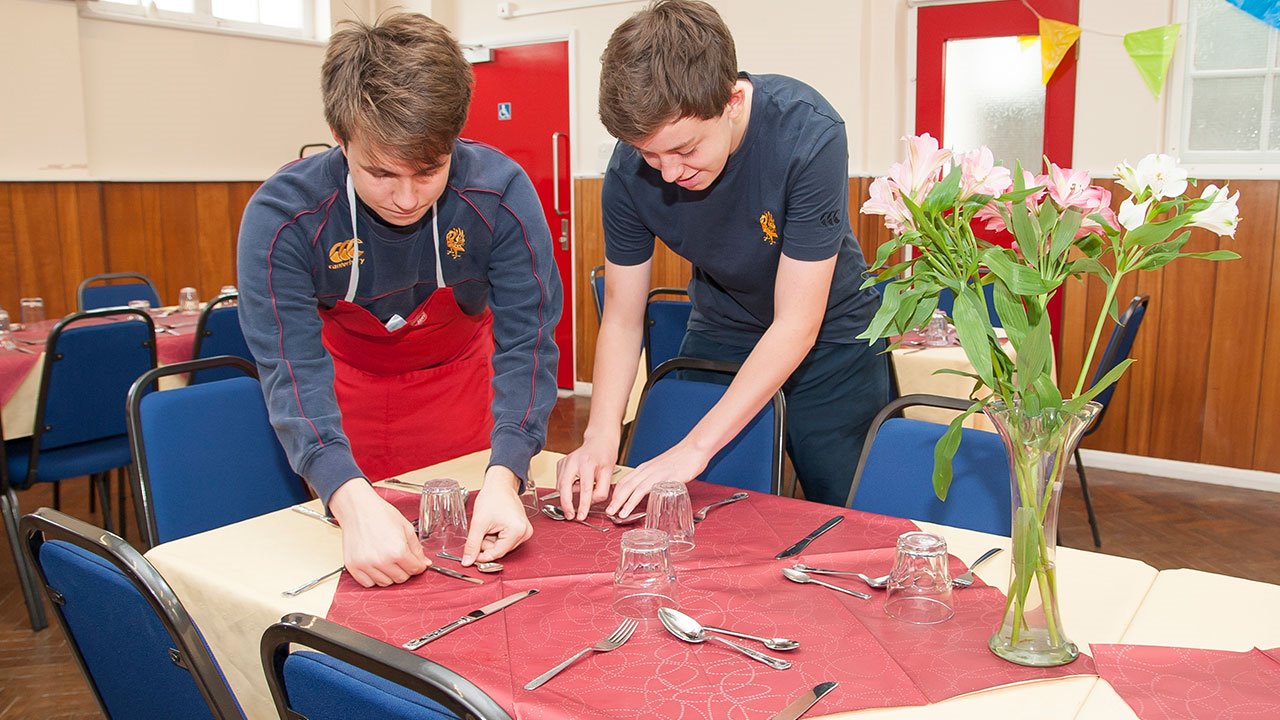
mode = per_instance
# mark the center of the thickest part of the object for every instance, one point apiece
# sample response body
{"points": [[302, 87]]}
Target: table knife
{"points": [[303, 510], [804, 702], [470, 617], [804, 543], [455, 574]]}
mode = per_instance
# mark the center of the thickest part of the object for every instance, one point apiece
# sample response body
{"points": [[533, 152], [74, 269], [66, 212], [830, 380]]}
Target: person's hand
{"points": [[682, 463], [591, 468], [379, 547], [498, 522]]}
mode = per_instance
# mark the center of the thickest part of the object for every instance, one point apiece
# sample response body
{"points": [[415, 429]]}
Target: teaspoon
{"points": [[780, 644], [484, 567], [689, 630], [796, 576], [555, 513]]}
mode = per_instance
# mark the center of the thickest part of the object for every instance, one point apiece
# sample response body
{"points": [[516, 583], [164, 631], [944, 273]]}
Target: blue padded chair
{"points": [[98, 291], [205, 455], [671, 405], [336, 673], [895, 474], [79, 426], [1118, 348], [218, 333], [10, 515], [597, 290], [665, 323], [143, 656]]}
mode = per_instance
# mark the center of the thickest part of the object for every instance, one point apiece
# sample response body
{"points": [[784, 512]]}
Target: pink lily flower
{"points": [[1068, 187], [885, 200], [923, 167], [980, 175]]}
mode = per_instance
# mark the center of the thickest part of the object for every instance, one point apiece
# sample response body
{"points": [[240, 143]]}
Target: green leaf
{"points": [[1047, 391], [1034, 355], [973, 327], [1048, 216], [945, 451], [1020, 279], [953, 371], [1074, 404], [1025, 230], [884, 251], [1213, 255], [884, 316], [1016, 196], [1107, 227], [1026, 548], [944, 194], [1064, 233], [1090, 245], [1156, 260], [1013, 316], [1155, 233]]}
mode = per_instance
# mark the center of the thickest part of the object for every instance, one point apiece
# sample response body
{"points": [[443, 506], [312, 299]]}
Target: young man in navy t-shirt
{"points": [[745, 176]]}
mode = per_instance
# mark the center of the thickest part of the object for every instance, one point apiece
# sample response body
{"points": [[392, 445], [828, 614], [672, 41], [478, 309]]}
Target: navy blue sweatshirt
{"points": [[286, 275]]}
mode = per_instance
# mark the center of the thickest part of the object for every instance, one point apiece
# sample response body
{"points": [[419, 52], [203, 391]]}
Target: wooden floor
{"points": [[1165, 523]]}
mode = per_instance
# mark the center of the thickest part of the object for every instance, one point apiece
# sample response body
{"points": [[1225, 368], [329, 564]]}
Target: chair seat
{"points": [[322, 687], [71, 461]]}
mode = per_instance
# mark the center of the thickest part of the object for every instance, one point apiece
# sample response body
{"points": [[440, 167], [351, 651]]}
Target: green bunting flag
{"points": [[1151, 51]]}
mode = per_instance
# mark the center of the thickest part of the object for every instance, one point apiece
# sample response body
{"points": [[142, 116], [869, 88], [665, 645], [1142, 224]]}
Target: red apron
{"points": [[417, 395]]}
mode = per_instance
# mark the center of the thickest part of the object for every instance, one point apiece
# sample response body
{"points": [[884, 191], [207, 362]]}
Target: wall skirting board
{"points": [[1180, 470]]}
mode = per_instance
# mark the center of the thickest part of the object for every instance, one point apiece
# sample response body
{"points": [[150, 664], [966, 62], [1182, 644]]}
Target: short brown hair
{"points": [[400, 84], [672, 60]]}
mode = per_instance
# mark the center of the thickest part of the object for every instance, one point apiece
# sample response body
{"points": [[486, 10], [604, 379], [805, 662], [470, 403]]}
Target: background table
{"points": [[231, 578]]}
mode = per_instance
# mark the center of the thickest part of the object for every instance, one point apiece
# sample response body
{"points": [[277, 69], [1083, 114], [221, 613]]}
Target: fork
{"points": [[965, 579], [613, 642], [875, 582], [311, 583]]}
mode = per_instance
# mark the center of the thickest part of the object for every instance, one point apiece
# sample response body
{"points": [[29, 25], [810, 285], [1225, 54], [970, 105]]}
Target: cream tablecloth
{"points": [[230, 580]]}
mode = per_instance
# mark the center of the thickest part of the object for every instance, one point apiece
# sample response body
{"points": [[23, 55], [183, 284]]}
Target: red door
{"points": [[521, 106], [941, 24]]}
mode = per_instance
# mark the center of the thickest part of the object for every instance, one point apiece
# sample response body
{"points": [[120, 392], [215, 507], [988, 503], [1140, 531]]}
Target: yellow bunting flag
{"points": [[1026, 41], [1151, 50], [1056, 38]]}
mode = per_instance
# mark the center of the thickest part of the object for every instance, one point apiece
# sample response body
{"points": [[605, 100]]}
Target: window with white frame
{"points": [[1231, 87], [299, 19]]}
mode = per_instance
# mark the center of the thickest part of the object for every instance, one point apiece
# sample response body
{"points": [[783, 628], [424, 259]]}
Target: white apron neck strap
{"points": [[435, 244], [355, 243]]}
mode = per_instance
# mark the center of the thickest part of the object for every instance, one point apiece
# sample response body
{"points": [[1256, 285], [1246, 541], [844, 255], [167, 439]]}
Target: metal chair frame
{"points": [[597, 290], [95, 279], [650, 322]]}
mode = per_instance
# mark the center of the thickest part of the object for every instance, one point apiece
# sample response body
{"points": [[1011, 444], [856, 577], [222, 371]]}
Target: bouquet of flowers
{"points": [[1062, 227]]}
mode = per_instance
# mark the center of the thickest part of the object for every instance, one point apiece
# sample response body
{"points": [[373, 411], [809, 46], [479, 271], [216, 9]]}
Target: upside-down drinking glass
{"points": [[646, 578], [671, 511], [442, 517]]}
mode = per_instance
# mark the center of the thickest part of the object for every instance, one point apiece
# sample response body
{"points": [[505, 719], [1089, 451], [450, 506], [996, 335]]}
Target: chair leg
{"points": [[93, 500], [1088, 504], [57, 496], [103, 482], [123, 523], [26, 575]]}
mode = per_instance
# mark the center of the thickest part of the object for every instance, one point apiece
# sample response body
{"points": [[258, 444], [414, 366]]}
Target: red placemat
{"points": [[734, 582], [1172, 683]]}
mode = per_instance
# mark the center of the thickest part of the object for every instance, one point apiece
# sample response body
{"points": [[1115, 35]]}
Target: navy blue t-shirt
{"points": [[784, 190]]}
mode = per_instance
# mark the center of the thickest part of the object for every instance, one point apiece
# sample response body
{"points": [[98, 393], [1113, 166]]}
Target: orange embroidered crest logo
{"points": [[769, 228], [456, 242], [340, 254]]}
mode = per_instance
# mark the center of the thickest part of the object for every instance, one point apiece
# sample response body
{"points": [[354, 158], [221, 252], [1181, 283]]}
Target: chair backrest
{"points": [[218, 333], [1119, 345], [97, 291], [205, 455], [343, 674], [671, 404], [89, 366], [597, 289], [665, 323], [895, 472], [137, 646]]}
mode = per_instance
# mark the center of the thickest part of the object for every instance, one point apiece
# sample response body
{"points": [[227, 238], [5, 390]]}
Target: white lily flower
{"points": [[1222, 216], [1133, 216], [1128, 178], [1162, 174]]}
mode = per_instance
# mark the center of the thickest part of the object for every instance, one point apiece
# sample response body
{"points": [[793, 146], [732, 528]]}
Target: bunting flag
{"points": [[1026, 41], [1267, 11], [1056, 38], [1151, 51]]}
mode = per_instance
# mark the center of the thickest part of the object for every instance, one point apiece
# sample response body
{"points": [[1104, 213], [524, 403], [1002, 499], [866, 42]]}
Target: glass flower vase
{"points": [[1038, 446]]}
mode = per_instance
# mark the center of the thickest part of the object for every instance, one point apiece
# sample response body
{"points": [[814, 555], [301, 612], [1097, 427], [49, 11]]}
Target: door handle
{"points": [[555, 173], [564, 233]]}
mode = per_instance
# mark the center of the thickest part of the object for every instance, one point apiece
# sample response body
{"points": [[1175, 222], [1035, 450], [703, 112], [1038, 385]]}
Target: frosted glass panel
{"points": [[994, 97], [1275, 115], [1228, 38], [1225, 113]]}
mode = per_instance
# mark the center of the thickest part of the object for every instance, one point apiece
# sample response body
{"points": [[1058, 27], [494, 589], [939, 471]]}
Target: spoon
{"points": [[875, 582], [555, 513], [484, 567], [796, 576], [777, 643], [689, 630], [702, 512]]}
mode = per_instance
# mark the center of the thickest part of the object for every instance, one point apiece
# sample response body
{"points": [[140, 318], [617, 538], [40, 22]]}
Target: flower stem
{"points": [[1097, 331]]}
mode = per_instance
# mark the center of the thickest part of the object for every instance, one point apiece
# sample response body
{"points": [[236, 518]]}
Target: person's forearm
{"points": [[617, 362], [778, 353]]}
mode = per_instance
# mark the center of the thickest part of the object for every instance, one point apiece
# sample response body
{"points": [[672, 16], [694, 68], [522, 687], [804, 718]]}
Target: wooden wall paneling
{"points": [[1242, 290], [588, 238], [1184, 314], [70, 235], [1266, 321], [179, 240], [10, 274], [1141, 378], [36, 224], [1112, 433], [125, 229], [89, 205], [214, 240]]}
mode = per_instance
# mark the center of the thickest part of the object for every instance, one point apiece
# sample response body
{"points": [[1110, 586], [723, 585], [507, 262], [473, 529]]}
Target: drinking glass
{"points": [[227, 290], [31, 310], [188, 301], [671, 511], [919, 589], [6, 332], [143, 305], [935, 333], [646, 578], [442, 517]]}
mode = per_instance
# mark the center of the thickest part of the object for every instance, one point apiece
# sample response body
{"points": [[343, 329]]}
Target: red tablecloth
{"points": [[730, 579], [1171, 683]]}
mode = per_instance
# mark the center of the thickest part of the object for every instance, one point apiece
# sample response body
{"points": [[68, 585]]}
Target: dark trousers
{"points": [[831, 399]]}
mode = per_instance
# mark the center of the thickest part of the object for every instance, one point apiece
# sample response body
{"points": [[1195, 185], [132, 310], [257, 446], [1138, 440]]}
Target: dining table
{"points": [[231, 580], [22, 367]]}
